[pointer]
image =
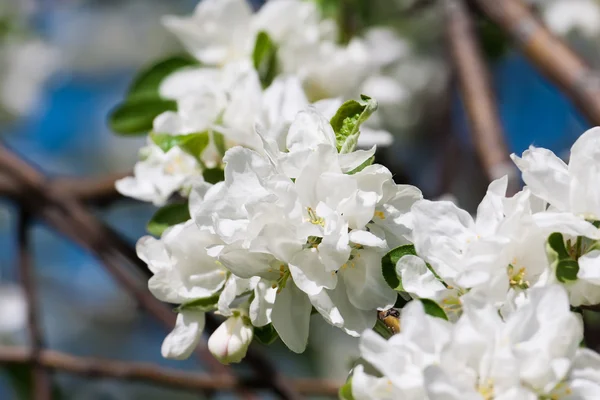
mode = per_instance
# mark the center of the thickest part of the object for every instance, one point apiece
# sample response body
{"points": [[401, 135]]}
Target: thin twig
{"points": [[548, 53], [477, 94], [143, 372], [42, 387], [69, 217]]}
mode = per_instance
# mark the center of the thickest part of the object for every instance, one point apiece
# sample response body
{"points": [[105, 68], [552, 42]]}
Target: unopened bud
{"points": [[229, 343]]}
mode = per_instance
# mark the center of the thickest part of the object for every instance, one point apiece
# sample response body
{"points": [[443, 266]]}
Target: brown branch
{"points": [[42, 388], [149, 373], [548, 53], [100, 191], [477, 94], [70, 218]]}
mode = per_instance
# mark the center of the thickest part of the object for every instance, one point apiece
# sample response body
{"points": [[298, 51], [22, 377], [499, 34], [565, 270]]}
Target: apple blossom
{"points": [[531, 354]]}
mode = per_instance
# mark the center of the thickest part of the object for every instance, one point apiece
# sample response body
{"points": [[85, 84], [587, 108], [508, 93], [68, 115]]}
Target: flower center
{"points": [[313, 218], [516, 276], [486, 389]]}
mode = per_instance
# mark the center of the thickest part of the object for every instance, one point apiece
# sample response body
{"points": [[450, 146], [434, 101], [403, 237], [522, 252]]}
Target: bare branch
{"points": [[548, 53], [42, 387], [99, 191], [142, 372], [477, 94]]}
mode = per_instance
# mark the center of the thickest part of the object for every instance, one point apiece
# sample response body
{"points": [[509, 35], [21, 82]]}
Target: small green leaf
{"points": [[265, 58], [566, 270], [347, 120], [432, 308], [135, 116], [213, 175], [193, 143], [557, 243], [382, 330], [362, 166], [147, 81], [345, 392], [167, 216], [265, 334], [388, 265], [204, 304]]}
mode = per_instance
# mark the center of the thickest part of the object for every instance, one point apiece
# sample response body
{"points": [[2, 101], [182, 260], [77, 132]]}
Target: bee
{"points": [[391, 318]]}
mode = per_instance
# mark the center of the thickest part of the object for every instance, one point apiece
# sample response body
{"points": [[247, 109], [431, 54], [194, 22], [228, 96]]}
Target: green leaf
{"points": [[557, 243], [135, 116], [213, 175], [147, 81], [362, 166], [432, 308], [565, 267], [265, 58], [382, 330], [345, 392], [566, 270], [204, 304], [167, 216], [388, 265], [193, 143], [347, 120], [265, 334]]}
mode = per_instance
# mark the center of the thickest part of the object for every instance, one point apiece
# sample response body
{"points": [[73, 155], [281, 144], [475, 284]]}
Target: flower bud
{"points": [[229, 343]]}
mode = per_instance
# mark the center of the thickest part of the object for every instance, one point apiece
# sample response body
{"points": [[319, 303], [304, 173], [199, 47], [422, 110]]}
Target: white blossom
{"points": [[531, 354], [183, 272]]}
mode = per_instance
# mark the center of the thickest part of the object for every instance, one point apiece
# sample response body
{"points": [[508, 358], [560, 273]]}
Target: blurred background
{"points": [[65, 63]]}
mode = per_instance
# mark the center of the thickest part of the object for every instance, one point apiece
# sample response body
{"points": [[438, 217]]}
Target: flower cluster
{"points": [[285, 233], [246, 68], [282, 215], [503, 285], [531, 354]]}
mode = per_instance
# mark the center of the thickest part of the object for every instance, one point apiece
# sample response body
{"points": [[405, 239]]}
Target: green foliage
{"points": [[213, 175], [347, 120], [193, 143], [432, 308], [169, 215], [265, 334], [388, 265], [135, 116], [264, 57], [566, 268], [147, 81], [345, 392], [143, 103], [205, 304]]}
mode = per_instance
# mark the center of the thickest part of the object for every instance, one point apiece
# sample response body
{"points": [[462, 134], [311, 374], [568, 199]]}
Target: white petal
{"points": [[310, 274], [351, 161], [366, 238], [365, 285], [261, 307], [417, 279], [589, 267], [566, 223], [182, 341], [291, 317], [336, 308], [546, 175], [309, 130]]}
